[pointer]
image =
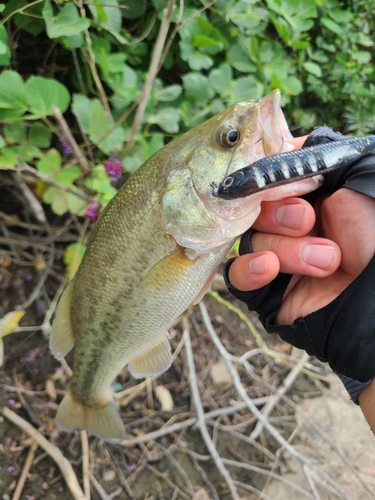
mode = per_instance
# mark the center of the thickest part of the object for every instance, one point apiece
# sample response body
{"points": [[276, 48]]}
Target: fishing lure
{"points": [[292, 166]]}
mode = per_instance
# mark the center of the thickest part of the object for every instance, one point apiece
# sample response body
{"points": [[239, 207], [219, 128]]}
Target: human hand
{"points": [[325, 248]]}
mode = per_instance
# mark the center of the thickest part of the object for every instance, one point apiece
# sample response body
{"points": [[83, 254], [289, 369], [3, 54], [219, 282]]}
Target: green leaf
{"points": [[107, 17], [169, 93], [365, 40], [249, 19], [15, 132], [12, 92], [2, 142], [240, 59], [27, 152], [198, 61], [332, 26], [362, 56], [100, 183], [67, 23], [220, 80], [8, 157], [196, 87], [91, 116], [93, 120], [340, 16], [62, 201], [313, 68], [73, 41], [67, 175], [43, 93], [168, 120], [51, 162], [40, 135], [135, 9], [289, 85], [246, 88], [4, 48]]}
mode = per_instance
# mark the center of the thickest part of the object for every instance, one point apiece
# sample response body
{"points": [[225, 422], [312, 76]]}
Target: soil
{"points": [[176, 465]]}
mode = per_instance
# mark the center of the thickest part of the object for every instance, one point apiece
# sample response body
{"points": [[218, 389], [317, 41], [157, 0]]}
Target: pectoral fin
{"points": [[62, 339], [155, 360], [205, 288]]}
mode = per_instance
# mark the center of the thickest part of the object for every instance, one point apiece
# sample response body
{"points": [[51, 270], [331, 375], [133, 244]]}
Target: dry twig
{"points": [[25, 471], [85, 464], [54, 452], [151, 75], [200, 417], [72, 142], [228, 358]]}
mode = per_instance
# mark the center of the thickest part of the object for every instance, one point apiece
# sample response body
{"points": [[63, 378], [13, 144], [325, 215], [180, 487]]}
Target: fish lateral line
{"points": [[291, 166]]}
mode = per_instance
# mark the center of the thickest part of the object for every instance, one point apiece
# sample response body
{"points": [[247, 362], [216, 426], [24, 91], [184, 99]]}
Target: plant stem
{"points": [[151, 75]]}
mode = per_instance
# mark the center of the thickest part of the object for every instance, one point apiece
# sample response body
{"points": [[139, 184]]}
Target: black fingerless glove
{"points": [[343, 332]]}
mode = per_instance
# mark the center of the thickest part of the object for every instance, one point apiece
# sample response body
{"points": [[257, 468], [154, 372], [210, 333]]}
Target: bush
{"points": [[99, 65]]}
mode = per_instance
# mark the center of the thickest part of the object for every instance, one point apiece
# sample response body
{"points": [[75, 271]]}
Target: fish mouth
{"points": [[272, 126], [268, 136]]}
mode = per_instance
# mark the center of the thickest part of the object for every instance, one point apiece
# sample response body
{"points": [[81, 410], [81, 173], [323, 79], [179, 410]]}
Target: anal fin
{"points": [[62, 338], [103, 421], [156, 359]]}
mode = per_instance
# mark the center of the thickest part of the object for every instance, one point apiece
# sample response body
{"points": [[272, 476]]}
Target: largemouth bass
{"points": [[153, 252], [280, 169]]}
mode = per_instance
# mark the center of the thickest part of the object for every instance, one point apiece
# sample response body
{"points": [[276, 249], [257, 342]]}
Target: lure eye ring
{"points": [[228, 136], [228, 181]]}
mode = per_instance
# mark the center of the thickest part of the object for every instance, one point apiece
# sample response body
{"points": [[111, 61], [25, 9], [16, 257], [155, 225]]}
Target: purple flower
{"points": [[11, 469], [65, 146], [45, 486], [11, 402], [92, 211], [131, 467], [157, 405], [28, 277], [113, 167]]}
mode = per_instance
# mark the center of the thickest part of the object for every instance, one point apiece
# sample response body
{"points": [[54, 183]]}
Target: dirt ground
{"points": [[167, 454]]}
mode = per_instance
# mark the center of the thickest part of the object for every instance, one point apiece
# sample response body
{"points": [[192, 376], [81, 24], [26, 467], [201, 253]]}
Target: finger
{"points": [[308, 255], [348, 217], [291, 217], [252, 271]]}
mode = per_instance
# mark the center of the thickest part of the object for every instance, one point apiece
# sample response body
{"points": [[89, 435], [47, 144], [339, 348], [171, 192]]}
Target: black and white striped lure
{"points": [[284, 168]]}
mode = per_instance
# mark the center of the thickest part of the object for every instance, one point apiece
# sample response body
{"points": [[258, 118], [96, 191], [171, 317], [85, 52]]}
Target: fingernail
{"points": [[291, 216], [259, 265], [321, 256]]}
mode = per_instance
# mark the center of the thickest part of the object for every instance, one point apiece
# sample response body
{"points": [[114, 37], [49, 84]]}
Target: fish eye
{"points": [[229, 136], [228, 181]]}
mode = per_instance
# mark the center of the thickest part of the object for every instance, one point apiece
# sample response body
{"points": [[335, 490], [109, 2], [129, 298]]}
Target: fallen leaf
{"points": [[164, 397], [219, 373]]}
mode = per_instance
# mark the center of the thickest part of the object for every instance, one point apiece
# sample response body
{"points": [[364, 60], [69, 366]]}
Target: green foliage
{"points": [[92, 64]]}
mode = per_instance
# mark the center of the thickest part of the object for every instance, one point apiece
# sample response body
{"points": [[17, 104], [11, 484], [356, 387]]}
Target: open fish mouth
{"points": [[272, 128]]}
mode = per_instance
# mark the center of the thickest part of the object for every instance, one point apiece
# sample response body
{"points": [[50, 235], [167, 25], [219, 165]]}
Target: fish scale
{"points": [[284, 168]]}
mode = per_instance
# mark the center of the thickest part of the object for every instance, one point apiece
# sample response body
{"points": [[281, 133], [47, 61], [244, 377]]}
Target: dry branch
{"points": [[25, 471], [72, 142], [54, 452], [151, 75], [229, 361], [200, 417]]}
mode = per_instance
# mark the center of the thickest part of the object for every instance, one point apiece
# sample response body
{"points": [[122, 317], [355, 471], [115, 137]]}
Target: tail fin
{"points": [[104, 422]]}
